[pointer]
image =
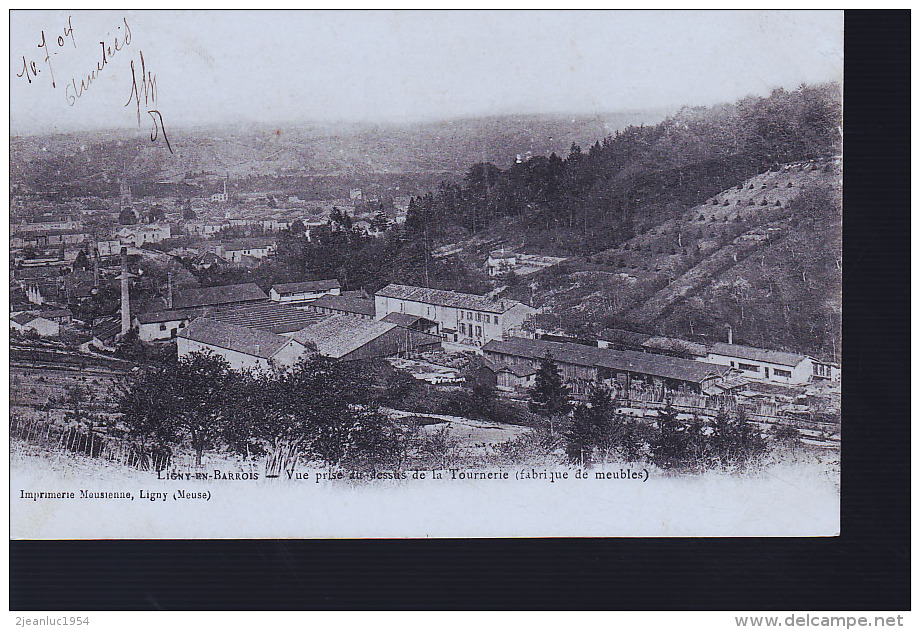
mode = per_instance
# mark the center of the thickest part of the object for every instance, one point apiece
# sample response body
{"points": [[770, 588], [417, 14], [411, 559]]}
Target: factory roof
{"points": [[446, 298], [621, 360]]}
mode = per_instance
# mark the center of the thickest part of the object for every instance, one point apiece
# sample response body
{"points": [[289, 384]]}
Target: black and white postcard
{"points": [[416, 274]]}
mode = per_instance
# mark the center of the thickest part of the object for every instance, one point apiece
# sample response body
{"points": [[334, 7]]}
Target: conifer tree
{"points": [[549, 395]]}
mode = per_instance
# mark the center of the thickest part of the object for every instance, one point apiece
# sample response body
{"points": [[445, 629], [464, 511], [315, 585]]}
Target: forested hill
{"points": [[600, 195]]}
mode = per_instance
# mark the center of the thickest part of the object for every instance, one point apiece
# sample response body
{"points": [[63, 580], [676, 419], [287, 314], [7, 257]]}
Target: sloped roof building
{"points": [[242, 347]]}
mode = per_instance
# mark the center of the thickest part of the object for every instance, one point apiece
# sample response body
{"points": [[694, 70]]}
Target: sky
{"points": [[278, 66]]}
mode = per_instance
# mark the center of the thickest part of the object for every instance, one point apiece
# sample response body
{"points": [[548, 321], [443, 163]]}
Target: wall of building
{"points": [[798, 375], [397, 341], [237, 360], [159, 331], [304, 296], [506, 381], [44, 327], [478, 326], [288, 355]]}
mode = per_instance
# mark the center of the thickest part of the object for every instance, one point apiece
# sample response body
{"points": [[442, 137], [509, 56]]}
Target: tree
{"points": [[752, 445], [187, 213], [590, 432], [668, 448], [74, 397], [332, 406], [787, 437], [127, 217], [82, 261], [188, 399], [549, 396], [736, 443], [297, 228]]}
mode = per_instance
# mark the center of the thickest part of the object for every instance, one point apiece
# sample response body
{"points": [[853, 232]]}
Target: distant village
{"points": [[63, 255]]}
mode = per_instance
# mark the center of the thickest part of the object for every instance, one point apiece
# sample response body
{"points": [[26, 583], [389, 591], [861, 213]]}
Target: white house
{"points": [[137, 235], [201, 228], [29, 322], [242, 347], [220, 197], [275, 225], [500, 262], [234, 252], [160, 325], [301, 292], [825, 370], [461, 317], [758, 363], [108, 248]]}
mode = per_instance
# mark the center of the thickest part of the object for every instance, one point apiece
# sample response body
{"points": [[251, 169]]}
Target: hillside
{"points": [[762, 257]]}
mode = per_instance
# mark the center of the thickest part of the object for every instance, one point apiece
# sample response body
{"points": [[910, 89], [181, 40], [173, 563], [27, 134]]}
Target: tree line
{"points": [[590, 200], [319, 408], [594, 431]]}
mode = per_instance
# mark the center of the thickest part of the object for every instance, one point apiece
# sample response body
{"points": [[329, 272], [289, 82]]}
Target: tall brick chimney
{"points": [[125, 294]]}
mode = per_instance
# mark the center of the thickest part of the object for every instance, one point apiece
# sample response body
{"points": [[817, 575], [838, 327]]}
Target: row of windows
{"points": [[749, 367], [479, 317], [464, 328]]}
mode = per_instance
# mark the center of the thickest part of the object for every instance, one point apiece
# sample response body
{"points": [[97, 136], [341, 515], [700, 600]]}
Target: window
{"points": [[462, 328], [748, 367], [496, 318], [162, 326], [784, 373], [181, 324], [479, 331]]}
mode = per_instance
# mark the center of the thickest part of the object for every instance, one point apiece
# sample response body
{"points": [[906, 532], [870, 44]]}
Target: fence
{"points": [[90, 443], [699, 403]]}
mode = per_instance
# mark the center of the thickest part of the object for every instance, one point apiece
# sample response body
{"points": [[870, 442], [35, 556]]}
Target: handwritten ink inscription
{"points": [[143, 89], [108, 52], [147, 89], [30, 68]]}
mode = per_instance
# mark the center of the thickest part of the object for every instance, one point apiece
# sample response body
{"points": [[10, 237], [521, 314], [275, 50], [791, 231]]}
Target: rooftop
{"points": [[622, 360], [618, 335], [308, 286], [268, 316], [402, 319], [446, 298], [256, 343], [248, 243], [756, 354], [106, 329], [189, 298], [670, 344], [35, 273], [339, 335], [23, 318], [167, 315], [57, 312], [518, 369], [361, 306]]}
